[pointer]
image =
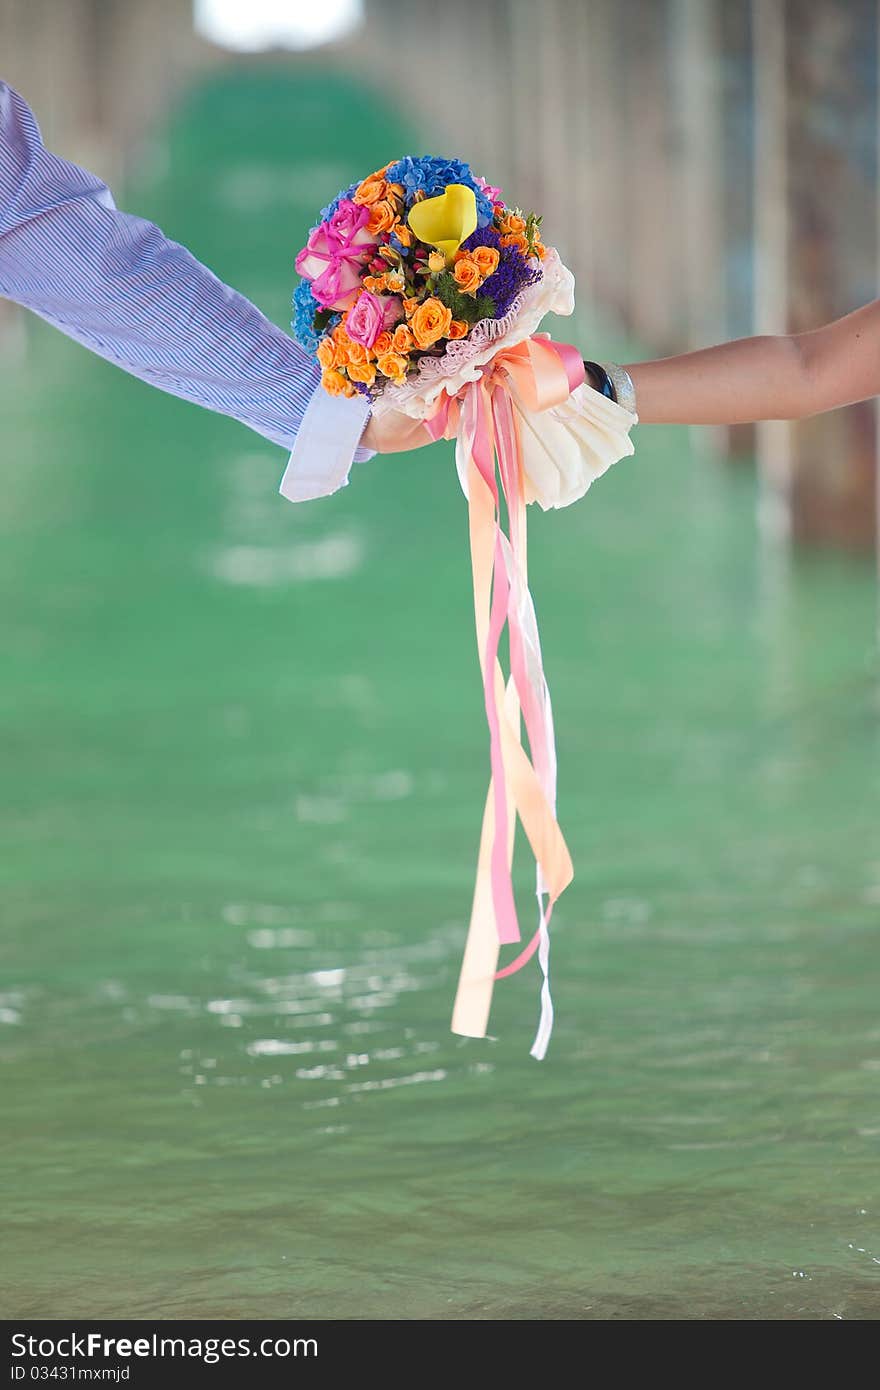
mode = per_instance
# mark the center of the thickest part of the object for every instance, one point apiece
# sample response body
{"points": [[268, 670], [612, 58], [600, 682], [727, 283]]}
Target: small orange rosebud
{"points": [[467, 275], [511, 224], [518, 240], [410, 305], [363, 371], [457, 329], [356, 354], [403, 234], [430, 322], [370, 191], [334, 383], [402, 339], [486, 259], [382, 217], [392, 365], [436, 262], [326, 353]]}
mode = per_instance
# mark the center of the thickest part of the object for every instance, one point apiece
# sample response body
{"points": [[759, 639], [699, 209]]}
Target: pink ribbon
{"points": [[536, 374]]}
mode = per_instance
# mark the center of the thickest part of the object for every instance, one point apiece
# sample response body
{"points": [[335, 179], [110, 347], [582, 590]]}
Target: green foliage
{"points": [[468, 307], [533, 232]]}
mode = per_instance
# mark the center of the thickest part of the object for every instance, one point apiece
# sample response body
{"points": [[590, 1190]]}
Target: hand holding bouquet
{"points": [[423, 291]]}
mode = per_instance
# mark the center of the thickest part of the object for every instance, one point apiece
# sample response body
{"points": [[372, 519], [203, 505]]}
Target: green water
{"points": [[243, 764]]}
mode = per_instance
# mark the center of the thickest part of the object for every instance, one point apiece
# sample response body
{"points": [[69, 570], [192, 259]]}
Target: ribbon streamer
{"points": [[534, 375]]}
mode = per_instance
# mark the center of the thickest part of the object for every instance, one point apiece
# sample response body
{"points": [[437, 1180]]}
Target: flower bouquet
{"points": [[423, 290]]}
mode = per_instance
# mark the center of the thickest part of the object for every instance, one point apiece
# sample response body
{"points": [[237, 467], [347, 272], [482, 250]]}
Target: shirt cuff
{"points": [[326, 445]]}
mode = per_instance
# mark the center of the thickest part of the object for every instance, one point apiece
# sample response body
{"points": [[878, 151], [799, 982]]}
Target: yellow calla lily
{"points": [[447, 220]]}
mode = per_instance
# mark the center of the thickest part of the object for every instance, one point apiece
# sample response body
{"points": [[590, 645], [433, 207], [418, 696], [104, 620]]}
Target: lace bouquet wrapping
{"points": [[423, 290]]}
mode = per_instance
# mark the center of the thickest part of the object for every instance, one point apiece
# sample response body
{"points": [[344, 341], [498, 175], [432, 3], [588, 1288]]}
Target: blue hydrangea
{"points": [[305, 306], [326, 213], [431, 174], [399, 246]]}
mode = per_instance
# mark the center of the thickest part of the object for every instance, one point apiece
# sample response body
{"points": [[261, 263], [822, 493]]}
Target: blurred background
{"points": [[709, 170], [242, 748]]}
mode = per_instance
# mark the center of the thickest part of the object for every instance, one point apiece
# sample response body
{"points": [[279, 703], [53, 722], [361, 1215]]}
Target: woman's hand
{"points": [[394, 433]]}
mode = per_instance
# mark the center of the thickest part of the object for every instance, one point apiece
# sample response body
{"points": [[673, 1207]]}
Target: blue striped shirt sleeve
{"points": [[116, 284]]}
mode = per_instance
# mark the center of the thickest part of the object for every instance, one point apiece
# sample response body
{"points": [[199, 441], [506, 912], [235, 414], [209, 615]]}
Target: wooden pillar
{"points": [[832, 100], [609, 161], [656, 310], [700, 176], [737, 192], [773, 437]]}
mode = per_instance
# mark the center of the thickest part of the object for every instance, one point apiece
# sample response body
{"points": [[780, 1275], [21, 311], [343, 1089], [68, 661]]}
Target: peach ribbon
{"points": [[536, 374]]}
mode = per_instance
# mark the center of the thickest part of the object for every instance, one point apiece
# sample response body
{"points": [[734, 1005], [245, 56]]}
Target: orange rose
{"points": [[356, 354], [382, 217], [430, 322], [340, 335], [335, 383], [382, 344], [404, 235], [410, 305], [486, 259], [370, 191], [374, 283], [395, 190], [467, 275], [363, 371], [392, 365], [515, 239], [402, 340], [326, 353], [511, 224], [457, 329]]}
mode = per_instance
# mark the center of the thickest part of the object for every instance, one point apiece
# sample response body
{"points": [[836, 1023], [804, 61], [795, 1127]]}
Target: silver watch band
{"points": [[624, 390]]}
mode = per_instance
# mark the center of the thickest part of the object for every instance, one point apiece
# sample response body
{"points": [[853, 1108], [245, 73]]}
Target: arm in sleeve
{"points": [[116, 284]]}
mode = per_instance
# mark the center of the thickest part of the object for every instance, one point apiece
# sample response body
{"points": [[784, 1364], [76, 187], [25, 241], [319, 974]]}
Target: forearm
{"points": [[117, 285], [763, 378]]}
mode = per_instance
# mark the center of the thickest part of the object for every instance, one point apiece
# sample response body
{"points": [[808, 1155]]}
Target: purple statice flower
{"points": [[512, 275], [483, 236]]}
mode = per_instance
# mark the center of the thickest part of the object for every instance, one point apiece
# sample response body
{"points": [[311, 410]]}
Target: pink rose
{"points": [[338, 285], [318, 252], [349, 225], [371, 315], [334, 256]]}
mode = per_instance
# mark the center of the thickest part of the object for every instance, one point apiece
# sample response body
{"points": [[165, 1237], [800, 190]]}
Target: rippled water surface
{"points": [[243, 767]]}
